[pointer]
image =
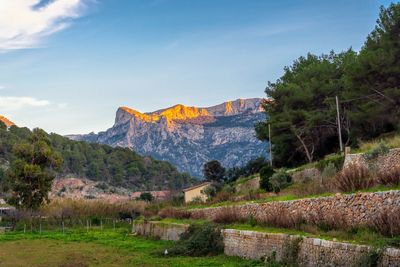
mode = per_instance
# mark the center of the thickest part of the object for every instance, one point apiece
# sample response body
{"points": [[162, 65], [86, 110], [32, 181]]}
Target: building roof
{"points": [[196, 186]]}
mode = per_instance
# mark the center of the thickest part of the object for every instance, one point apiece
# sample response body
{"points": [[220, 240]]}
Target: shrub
{"points": [[199, 240], [170, 212], [281, 217], [354, 177], [146, 196], [330, 170], [387, 222], [279, 181], [381, 149], [227, 215], [389, 177], [336, 160], [210, 191], [333, 220], [265, 173]]}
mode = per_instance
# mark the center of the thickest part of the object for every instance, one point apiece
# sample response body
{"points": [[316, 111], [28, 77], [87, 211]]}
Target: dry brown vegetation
{"points": [[228, 215], [171, 212], [389, 177], [70, 208], [354, 177], [387, 222]]}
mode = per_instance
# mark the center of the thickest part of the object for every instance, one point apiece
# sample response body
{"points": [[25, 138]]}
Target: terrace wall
{"points": [[311, 252], [357, 209]]}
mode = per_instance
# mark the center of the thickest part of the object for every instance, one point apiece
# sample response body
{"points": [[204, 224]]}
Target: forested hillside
{"points": [[303, 115], [116, 166]]}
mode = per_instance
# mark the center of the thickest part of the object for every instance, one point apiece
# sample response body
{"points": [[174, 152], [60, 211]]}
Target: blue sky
{"points": [[67, 68]]}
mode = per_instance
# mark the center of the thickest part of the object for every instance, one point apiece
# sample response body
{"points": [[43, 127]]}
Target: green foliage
{"points": [[329, 170], [146, 196], [213, 171], [265, 173], [115, 247], [291, 252], [199, 240], [31, 174], [210, 191], [252, 167], [279, 181], [336, 160], [116, 166], [381, 149], [302, 115]]}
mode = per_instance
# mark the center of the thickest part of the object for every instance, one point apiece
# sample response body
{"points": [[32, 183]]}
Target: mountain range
{"points": [[189, 136]]}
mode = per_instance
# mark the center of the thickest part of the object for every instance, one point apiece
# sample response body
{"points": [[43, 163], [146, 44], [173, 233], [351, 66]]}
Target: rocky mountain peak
{"points": [[189, 136], [6, 121]]}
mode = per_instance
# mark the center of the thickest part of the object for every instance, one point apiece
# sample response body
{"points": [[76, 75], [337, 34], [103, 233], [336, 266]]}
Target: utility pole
{"points": [[338, 124], [270, 144]]}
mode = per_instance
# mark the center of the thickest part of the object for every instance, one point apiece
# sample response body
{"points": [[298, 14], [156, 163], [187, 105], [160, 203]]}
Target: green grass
{"points": [[242, 180], [392, 141], [355, 236], [97, 248]]}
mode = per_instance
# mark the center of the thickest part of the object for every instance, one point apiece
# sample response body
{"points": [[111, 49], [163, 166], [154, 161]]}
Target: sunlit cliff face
{"points": [[178, 112], [6, 121], [195, 115]]}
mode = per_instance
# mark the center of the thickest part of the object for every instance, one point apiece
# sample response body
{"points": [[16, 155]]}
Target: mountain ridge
{"points": [[189, 136], [6, 121]]}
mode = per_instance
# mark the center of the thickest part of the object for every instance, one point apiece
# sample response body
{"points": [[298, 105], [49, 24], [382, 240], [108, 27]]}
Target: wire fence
{"points": [[43, 224]]}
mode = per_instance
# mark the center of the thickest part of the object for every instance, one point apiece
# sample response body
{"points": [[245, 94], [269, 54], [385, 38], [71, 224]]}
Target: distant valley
{"points": [[189, 136]]}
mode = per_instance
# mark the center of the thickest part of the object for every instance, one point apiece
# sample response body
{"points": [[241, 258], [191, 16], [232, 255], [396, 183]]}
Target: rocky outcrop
{"points": [[189, 136], [6, 121]]}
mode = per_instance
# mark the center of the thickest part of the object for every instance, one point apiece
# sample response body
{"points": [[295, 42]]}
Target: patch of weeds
{"points": [[370, 259], [199, 240], [381, 149], [291, 251]]}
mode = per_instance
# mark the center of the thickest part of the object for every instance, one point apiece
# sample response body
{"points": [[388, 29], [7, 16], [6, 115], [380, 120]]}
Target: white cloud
{"points": [[24, 23], [13, 103]]}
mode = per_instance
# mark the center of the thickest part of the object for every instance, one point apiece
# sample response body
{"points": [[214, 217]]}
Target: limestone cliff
{"points": [[189, 136]]}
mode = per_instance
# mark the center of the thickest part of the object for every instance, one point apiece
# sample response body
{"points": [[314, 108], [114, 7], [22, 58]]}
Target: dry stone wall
{"points": [[311, 252], [164, 231], [383, 162], [356, 209]]}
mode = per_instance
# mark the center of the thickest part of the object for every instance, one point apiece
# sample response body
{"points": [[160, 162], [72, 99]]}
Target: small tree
{"points": [[265, 173], [146, 196], [213, 171], [31, 175]]}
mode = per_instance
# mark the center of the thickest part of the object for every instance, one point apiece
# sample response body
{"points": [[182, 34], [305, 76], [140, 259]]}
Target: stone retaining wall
{"points": [[164, 231], [312, 252], [356, 209], [383, 162]]}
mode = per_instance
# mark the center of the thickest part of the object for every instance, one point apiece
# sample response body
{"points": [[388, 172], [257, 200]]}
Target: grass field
{"points": [[97, 248]]}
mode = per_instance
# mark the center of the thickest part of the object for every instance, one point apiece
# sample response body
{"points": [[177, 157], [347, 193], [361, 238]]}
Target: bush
{"points": [[387, 222], [146, 196], [199, 240], [279, 181], [389, 177], [329, 221], [170, 212], [381, 149], [228, 215], [265, 173], [330, 170], [336, 160], [354, 177], [281, 217]]}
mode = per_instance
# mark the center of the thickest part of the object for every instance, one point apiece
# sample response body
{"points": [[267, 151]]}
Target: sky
{"points": [[67, 65]]}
